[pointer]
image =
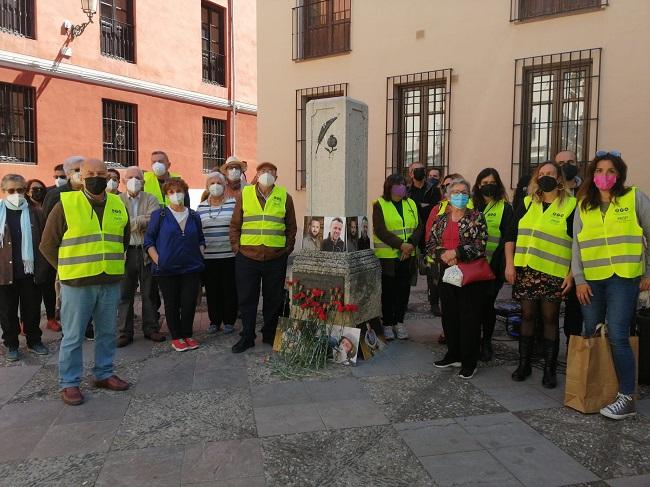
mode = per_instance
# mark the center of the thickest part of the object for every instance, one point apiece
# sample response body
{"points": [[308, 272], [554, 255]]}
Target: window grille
{"points": [[17, 123], [321, 28], [212, 44], [17, 17], [120, 122], [214, 143], [531, 9], [117, 30]]}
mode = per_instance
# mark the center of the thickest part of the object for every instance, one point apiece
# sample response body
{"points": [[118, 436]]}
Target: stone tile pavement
{"points": [[211, 418]]}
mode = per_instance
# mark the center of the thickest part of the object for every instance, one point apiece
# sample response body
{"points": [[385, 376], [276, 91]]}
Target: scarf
{"points": [[26, 246]]}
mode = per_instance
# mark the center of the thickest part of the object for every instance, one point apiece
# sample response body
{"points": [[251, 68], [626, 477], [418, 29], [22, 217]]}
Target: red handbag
{"points": [[476, 270]]}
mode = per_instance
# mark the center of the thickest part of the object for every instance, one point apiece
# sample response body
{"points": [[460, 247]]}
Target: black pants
{"points": [[488, 316], [23, 294], [221, 290], [572, 314], [49, 297], [136, 273], [395, 292], [461, 308], [432, 287], [179, 294], [248, 275]]}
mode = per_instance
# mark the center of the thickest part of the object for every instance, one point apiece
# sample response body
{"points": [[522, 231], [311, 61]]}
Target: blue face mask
{"points": [[459, 200]]}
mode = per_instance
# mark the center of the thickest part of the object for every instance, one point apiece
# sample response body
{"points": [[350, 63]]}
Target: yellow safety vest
{"points": [[542, 240], [152, 186], [88, 249], [395, 225], [493, 215], [264, 226], [613, 243]]}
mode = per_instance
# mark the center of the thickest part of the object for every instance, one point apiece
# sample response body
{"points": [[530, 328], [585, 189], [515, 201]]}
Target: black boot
{"points": [[486, 349], [550, 355], [525, 352]]}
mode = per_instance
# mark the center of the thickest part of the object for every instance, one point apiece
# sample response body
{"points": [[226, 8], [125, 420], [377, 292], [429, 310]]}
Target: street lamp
{"points": [[89, 7]]}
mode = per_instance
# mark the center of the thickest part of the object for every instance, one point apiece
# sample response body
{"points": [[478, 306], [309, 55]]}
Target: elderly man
{"points": [[159, 175], [311, 241], [233, 169], [333, 242], [262, 234], [85, 238], [71, 167], [140, 205]]}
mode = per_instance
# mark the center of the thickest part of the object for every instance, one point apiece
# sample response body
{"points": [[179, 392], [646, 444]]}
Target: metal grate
{"points": [[120, 122], [212, 42], [321, 27], [17, 17], [556, 103], [418, 120], [531, 9], [116, 29], [17, 123], [302, 97], [214, 143]]}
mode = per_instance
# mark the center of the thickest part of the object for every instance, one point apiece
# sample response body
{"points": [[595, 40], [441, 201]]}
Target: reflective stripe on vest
{"points": [[87, 249], [152, 186], [395, 225], [493, 215], [264, 226], [612, 244], [542, 240]]}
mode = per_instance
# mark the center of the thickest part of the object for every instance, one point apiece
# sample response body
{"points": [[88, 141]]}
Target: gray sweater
{"points": [[643, 215]]}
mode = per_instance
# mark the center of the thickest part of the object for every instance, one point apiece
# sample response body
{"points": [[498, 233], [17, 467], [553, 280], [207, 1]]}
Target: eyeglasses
{"points": [[60, 177], [16, 190], [615, 153]]}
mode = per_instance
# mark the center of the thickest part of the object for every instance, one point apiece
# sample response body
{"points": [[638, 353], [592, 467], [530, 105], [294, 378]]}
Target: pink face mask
{"points": [[605, 182]]}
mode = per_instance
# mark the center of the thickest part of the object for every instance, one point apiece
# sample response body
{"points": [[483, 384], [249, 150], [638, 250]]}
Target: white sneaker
{"points": [[621, 408], [388, 333], [400, 331]]}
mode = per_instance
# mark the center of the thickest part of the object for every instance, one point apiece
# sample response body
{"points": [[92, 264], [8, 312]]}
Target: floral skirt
{"points": [[531, 284]]}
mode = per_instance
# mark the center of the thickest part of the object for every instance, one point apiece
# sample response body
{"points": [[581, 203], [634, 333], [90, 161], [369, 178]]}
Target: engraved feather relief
{"points": [[331, 141]]}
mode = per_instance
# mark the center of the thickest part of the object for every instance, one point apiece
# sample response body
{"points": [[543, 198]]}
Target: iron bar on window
{"points": [[321, 28], [116, 29], [120, 133], [17, 17], [532, 9], [213, 44], [214, 143], [17, 123]]}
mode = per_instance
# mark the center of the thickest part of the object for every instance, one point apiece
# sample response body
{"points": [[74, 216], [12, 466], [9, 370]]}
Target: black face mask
{"points": [[96, 185], [418, 174], [489, 190], [38, 194], [547, 183], [434, 181], [570, 171]]}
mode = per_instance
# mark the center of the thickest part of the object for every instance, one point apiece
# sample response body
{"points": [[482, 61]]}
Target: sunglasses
{"points": [[615, 153], [16, 190]]}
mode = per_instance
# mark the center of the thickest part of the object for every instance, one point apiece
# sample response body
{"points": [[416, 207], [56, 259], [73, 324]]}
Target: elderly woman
{"points": [[397, 230], [215, 212], [175, 243], [460, 235]]}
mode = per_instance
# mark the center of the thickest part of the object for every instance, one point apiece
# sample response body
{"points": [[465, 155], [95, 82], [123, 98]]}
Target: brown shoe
{"points": [[123, 341], [156, 336], [113, 383], [72, 396]]}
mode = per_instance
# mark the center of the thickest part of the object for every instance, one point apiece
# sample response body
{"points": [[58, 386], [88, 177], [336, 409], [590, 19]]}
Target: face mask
{"points": [[418, 174], [547, 183], [398, 190], [434, 181], [16, 199], [216, 190], [134, 185], [459, 200], [605, 182], [95, 185], [159, 169], [177, 198], [75, 178], [111, 185], [570, 171], [266, 179], [59, 181], [488, 190], [38, 194], [234, 174]]}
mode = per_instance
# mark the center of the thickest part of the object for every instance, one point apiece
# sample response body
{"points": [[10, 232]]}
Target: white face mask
{"points": [[111, 185], [58, 182], [134, 185], [177, 198], [158, 168], [234, 174], [16, 199], [216, 190], [76, 178], [266, 179]]}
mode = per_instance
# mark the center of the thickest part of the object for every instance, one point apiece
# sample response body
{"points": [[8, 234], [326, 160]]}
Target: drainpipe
{"points": [[233, 77]]}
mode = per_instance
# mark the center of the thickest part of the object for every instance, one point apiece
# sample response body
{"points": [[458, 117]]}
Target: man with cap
{"points": [[262, 234], [158, 176], [234, 169]]}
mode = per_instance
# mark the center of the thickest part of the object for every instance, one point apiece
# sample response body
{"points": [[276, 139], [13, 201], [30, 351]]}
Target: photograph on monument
{"points": [[313, 232], [344, 341], [352, 234], [365, 242], [334, 229], [370, 341]]}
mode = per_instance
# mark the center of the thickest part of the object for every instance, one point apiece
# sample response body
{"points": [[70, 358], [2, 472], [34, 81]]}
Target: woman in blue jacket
{"points": [[175, 242]]}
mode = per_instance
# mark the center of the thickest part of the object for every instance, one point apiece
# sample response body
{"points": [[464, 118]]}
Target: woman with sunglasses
{"points": [[36, 191], [543, 261], [608, 263]]}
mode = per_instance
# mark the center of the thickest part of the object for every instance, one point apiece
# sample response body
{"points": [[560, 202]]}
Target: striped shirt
{"points": [[216, 228]]}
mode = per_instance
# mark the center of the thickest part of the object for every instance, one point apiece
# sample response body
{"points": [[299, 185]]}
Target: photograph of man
{"points": [[334, 241], [345, 344], [352, 239], [313, 233], [364, 239]]}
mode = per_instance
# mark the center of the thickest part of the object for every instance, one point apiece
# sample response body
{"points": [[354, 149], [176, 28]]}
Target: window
{"points": [[17, 124], [120, 133], [17, 17], [212, 38], [418, 121], [556, 108], [321, 27], [302, 97], [214, 143], [117, 31], [530, 9]]}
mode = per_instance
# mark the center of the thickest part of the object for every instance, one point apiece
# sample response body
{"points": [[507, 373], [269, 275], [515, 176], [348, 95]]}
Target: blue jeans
{"points": [[615, 299], [78, 306]]}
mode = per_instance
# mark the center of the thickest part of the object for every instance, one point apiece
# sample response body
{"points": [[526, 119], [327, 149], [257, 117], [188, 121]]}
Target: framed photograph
{"points": [[344, 341], [334, 233], [313, 232], [352, 234]]}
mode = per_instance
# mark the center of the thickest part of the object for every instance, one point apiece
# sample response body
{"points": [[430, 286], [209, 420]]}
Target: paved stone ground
{"points": [[211, 418]]}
